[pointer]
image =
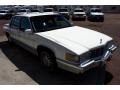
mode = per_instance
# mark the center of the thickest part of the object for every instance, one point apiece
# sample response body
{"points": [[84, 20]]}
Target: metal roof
{"points": [[37, 14]]}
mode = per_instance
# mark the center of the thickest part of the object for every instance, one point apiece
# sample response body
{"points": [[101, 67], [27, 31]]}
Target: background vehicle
{"points": [[64, 12], [5, 14], [79, 14], [48, 10], [95, 15], [22, 11]]}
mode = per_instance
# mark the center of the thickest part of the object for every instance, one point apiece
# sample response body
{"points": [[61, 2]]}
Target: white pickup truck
{"points": [[58, 43]]}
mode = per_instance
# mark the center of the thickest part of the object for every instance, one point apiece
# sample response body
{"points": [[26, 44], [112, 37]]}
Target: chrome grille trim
{"points": [[93, 54]]}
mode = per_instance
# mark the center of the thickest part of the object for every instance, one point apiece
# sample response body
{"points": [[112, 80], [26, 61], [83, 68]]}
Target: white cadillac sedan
{"points": [[58, 43]]}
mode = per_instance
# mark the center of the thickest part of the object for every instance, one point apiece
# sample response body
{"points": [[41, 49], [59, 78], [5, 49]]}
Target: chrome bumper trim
{"points": [[104, 58]]}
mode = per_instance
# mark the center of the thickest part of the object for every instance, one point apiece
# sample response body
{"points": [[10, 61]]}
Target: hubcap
{"points": [[45, 58]]}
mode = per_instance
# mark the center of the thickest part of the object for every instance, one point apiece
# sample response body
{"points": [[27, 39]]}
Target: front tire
{"points": [[48, 60], [9, 38]]}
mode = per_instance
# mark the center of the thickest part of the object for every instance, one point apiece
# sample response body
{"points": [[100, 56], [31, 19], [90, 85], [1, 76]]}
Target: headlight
{"points": [[110, 43], [72, 58], [84, 15]]}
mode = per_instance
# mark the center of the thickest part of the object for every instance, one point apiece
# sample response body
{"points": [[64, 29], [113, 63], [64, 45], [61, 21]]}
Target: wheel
{"points": [[9, 38], [48, 60]]}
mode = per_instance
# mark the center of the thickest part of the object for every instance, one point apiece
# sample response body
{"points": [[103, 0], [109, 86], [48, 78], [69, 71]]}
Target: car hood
{"points": [[97, 13], [64, 12], [79, 13], [77, 39]]}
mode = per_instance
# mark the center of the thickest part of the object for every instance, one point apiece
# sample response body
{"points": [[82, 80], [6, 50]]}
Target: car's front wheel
{"points": [[9, 38], [47, 59]]}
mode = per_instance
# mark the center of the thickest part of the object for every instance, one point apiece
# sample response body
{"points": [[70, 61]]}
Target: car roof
{"points": [[37, 14]]}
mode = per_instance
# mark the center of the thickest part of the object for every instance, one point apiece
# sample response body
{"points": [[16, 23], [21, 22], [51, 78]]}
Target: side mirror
{"points": [[28, 31]]}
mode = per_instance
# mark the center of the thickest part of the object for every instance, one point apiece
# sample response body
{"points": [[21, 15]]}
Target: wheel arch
{"points": [[41, 48]]}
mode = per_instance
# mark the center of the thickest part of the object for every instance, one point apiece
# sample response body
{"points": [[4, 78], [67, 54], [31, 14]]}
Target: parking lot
{"points": [[18, 66]]}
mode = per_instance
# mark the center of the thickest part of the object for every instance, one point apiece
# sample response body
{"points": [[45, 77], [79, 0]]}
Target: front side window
{"points": [[25, 24], [22, 11], [63, 10], [96, 10], [49, 22], [48, 10]]}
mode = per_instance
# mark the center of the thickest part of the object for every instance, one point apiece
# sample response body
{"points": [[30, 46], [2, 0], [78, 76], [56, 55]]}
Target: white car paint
{"points": [[77, 39]]}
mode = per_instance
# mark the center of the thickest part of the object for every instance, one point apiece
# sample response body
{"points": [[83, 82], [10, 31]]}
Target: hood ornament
{"points": [[100, 41]]}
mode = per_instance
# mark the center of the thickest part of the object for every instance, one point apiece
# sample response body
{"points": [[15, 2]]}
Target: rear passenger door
{"points": [[14, 27]]}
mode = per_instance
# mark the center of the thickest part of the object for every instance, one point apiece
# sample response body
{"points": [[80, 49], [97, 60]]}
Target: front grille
{"points": [[97, 52], [94, 54], [79, 14]]}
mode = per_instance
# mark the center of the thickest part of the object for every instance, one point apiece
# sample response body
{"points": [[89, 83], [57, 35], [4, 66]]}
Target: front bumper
{"points": [[96, 18], [78, 16], [88, 64]]}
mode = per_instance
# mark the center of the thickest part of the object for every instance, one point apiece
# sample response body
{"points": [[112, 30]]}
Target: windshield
{"points": [[2, 11], [78, 11], [22, 11], [49, 22], [63, 10], [34, 10], [48, 10], [96, 10]]}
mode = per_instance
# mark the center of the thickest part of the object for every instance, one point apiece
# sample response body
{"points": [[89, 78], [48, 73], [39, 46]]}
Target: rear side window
{"points": [[15, 22]]}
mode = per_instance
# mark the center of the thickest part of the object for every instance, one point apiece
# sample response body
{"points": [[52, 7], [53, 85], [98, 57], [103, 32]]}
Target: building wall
{"points": [[111, 8]]}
